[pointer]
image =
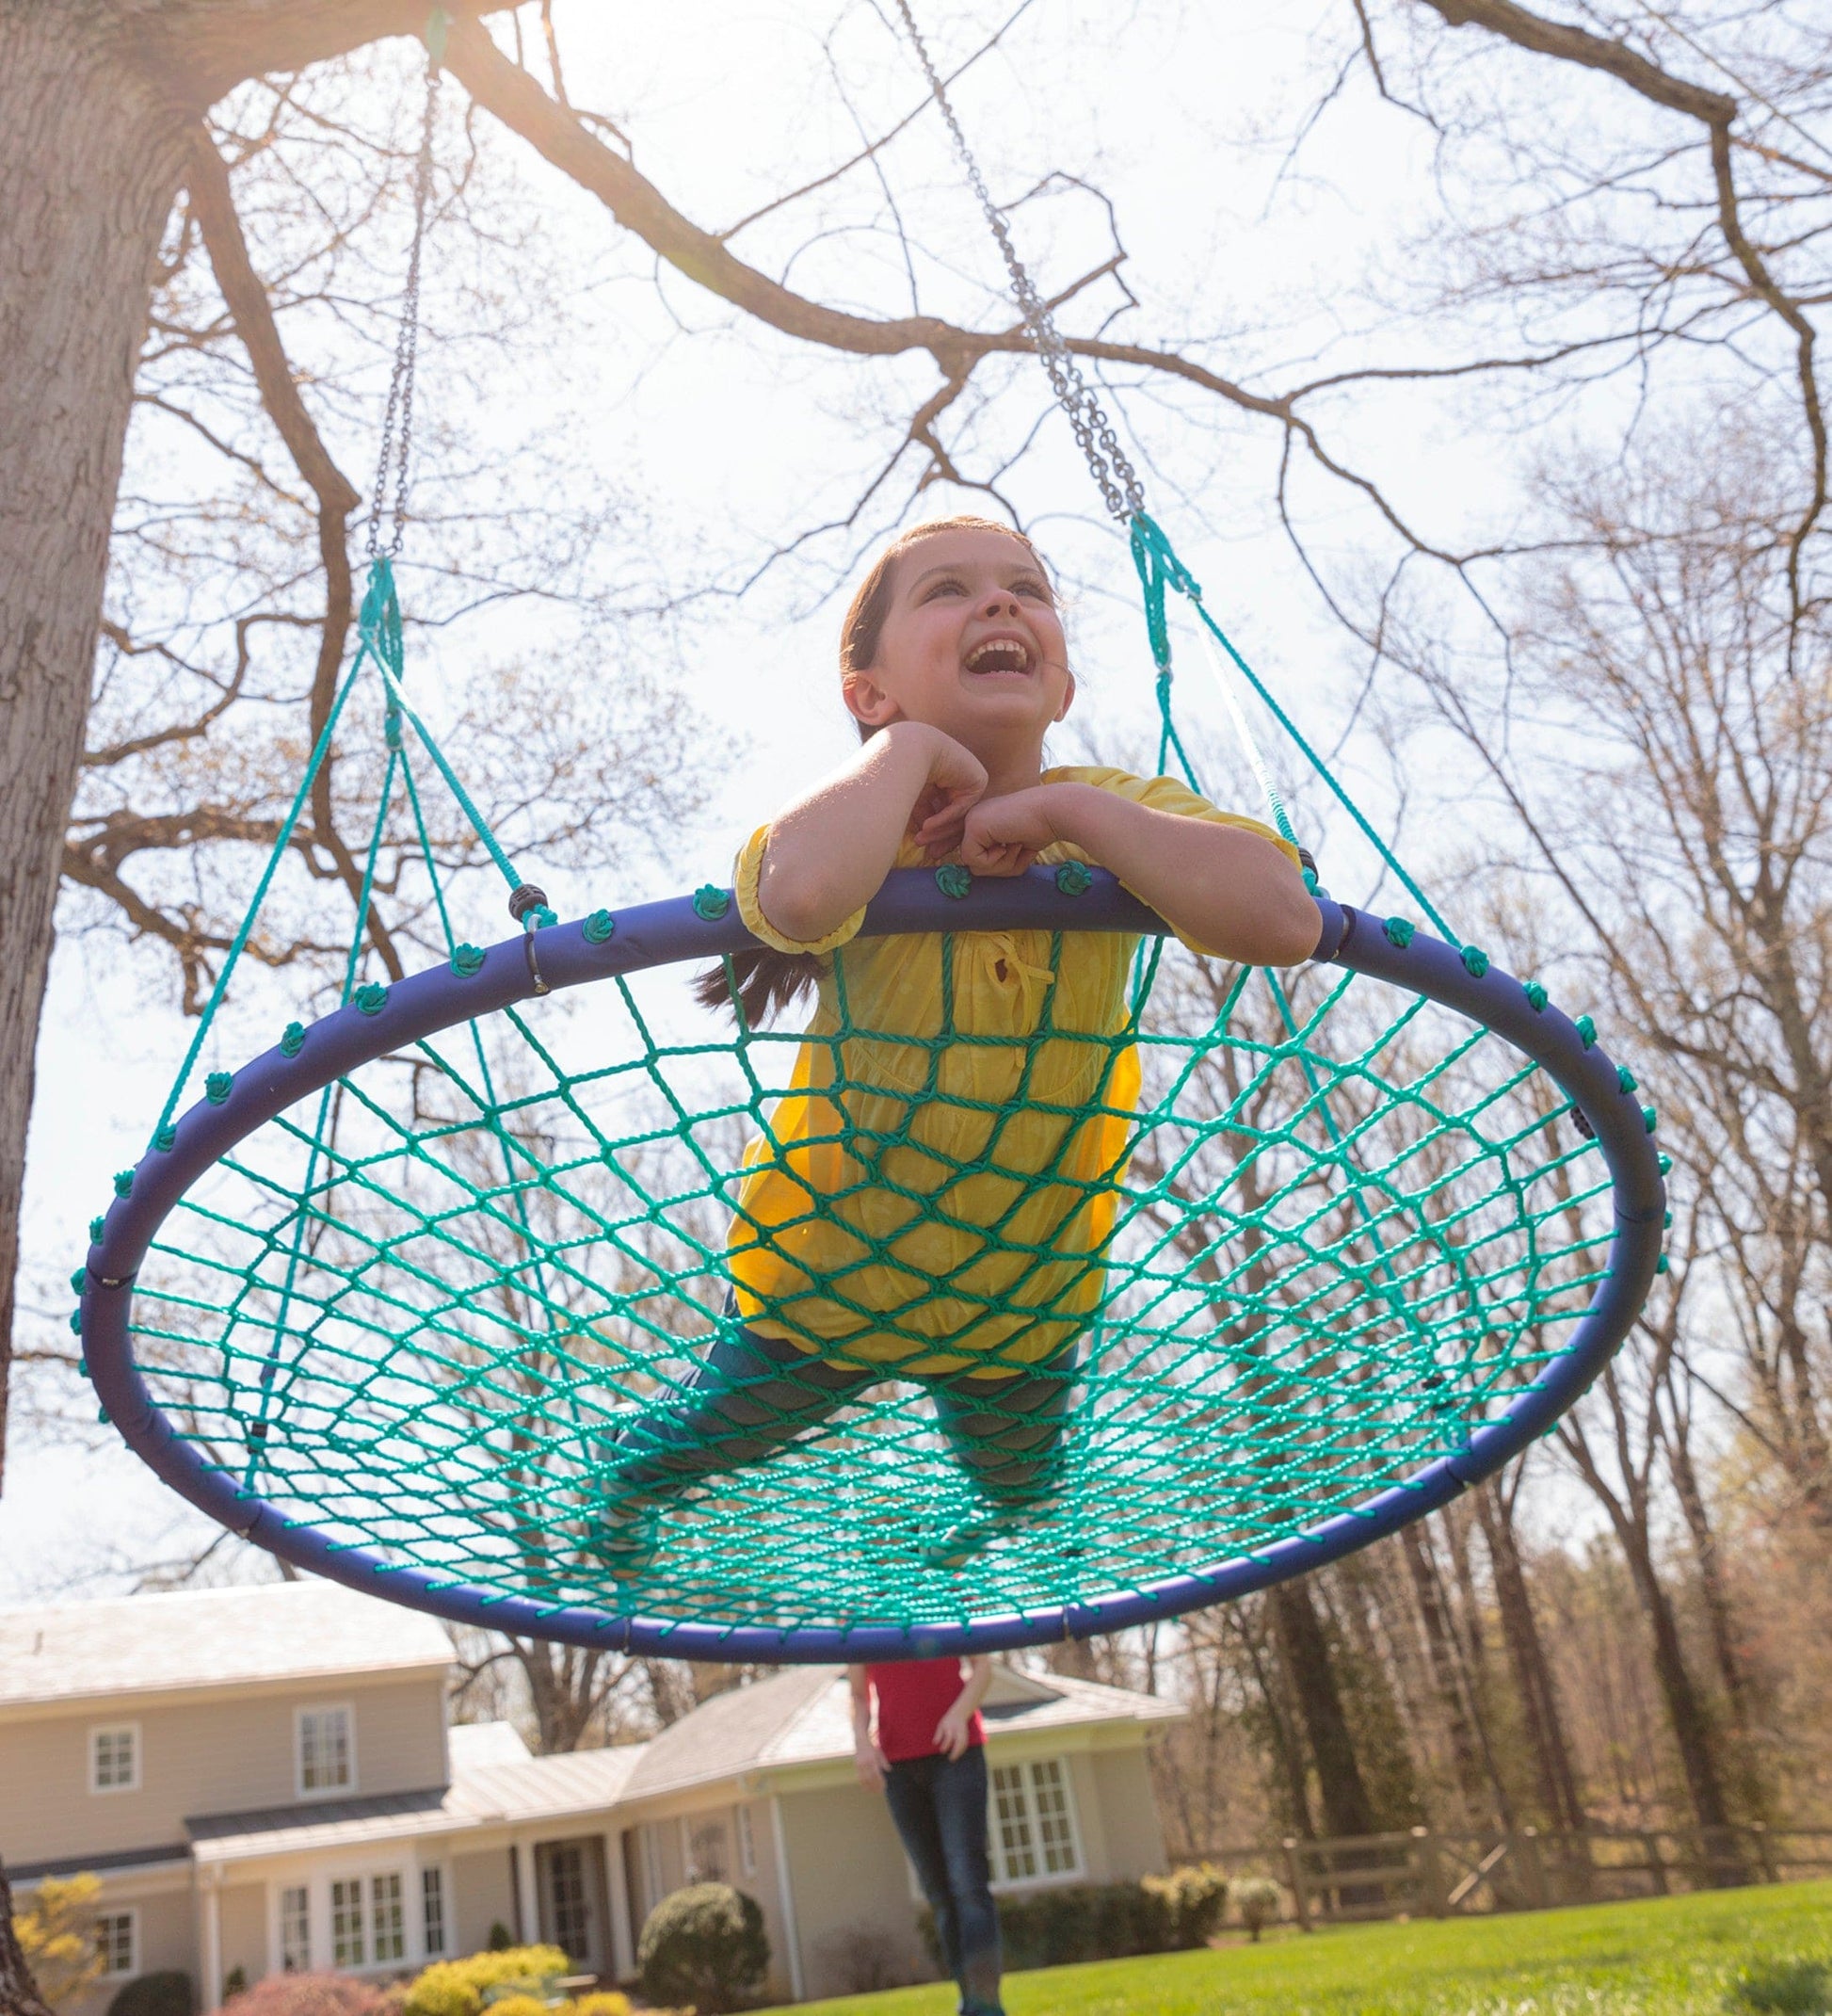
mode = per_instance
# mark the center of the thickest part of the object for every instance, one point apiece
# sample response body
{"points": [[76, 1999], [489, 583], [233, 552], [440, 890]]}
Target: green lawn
{"points": [[1725, 1954]]}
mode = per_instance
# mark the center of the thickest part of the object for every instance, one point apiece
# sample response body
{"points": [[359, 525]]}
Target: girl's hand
{"points": [[1004, 836], [951, 1732], [956, 780], [869, 1761]]}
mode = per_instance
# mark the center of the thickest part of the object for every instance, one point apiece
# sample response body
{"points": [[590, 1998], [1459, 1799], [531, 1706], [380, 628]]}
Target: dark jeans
{"points": [[940, 1811], [750, 1395]]}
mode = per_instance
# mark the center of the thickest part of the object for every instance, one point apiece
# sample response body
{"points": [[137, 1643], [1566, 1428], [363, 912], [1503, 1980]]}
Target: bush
{"points": [[1259, 1900], [461, 1988], [704, 1944], [166, 1994], [1194, 1903], [606, 2002], [308, 1994]]}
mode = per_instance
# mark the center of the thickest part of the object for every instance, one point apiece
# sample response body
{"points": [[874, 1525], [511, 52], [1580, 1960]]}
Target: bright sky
{"points": [[735, 440]]}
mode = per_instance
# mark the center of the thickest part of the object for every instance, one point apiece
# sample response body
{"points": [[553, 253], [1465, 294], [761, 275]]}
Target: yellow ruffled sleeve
{"points": [[747, 872]]}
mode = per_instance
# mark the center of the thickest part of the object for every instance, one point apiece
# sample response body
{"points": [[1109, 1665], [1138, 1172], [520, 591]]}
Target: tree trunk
{"points": [[1532, 1673], [90, 161], [1304, 1653], [19, 1992], [1468, 1765]]}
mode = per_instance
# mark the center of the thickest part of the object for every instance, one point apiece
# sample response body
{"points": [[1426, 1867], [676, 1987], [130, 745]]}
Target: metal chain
{"points": [[1093, 432], [397, 419]]}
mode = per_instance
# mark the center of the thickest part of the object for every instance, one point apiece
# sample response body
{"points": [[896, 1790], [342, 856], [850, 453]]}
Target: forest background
{"points": [[1469, 355]]}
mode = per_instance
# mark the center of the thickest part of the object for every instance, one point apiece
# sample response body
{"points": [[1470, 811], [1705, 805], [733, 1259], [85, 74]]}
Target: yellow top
{"points": [[926, 1204]]}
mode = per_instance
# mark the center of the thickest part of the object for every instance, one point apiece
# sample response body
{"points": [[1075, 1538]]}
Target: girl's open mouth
{"points": [[999, 654]]}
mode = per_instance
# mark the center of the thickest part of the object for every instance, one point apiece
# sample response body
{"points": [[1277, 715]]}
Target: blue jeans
{"points": [[940, 1810], [751, 1396]]}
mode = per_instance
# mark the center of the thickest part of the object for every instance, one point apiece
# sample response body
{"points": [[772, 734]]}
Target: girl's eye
{"points": [[943, 588]]}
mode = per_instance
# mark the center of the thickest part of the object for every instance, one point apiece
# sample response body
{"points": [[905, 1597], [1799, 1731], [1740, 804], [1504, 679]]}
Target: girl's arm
{"points": [[830, 851], [1229, 890], [950, 1730], [868, 1760]]}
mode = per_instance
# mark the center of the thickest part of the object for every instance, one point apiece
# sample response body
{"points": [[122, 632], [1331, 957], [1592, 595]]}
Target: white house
{"points": [[265, 1779]]}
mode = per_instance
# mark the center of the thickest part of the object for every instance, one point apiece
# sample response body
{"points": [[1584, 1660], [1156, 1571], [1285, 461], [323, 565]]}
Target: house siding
{"points": [[851, 1882], [483, 1894], [167, 1939], [1133, 1835], [222, 1755], [244, 1908]]}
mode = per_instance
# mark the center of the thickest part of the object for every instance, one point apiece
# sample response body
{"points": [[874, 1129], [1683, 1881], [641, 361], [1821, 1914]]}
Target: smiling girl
{"points": [[932, 1198]]}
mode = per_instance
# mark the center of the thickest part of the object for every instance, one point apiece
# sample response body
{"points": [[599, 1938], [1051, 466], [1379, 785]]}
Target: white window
{"points": [[327, 1752], [347, 1945], [705, 1851], [654, 1884], [294, 1929], [115, 1938], [746, 1843], [1032, 1823], [115, 1758], [432, 1911], [387, 1918]]}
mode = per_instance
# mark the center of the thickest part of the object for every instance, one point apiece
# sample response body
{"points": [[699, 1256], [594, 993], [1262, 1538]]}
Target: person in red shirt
{"points": [[928, 1758]]}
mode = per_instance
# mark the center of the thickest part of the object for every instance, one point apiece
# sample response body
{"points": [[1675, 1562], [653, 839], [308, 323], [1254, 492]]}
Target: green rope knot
{"points": [[165, 1140], [1399, 932], [1074, 878], [1666, 1165], [1650, 1118], [539, 918], [123, 1182], [217, 1085], [97, 1227], [1586, 1031], [79, 1280], [76, 1323], [711, 902], [292, 1040], [83, 1368], [102, 1415], [391, 728], [372, 999], [1475, 962], [953, 881], [467, 959], [1661, 1264], [1625, 1079], [1536, 997], [600, 927]]}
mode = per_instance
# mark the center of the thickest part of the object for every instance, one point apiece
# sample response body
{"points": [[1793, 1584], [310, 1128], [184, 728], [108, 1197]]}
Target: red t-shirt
{"points": [[913, 1696]]}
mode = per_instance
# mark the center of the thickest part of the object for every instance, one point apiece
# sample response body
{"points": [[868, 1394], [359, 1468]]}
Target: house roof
{"points": [[805, 1716], [210, 1638], [530, 1788]]}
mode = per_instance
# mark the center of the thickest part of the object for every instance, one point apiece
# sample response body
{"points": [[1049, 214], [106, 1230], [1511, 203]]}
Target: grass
{"points": [[1760, 1952]]}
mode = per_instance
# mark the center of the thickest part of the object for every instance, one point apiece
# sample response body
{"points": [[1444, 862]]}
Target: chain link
{"points": [[397, 419], [1093, 432]]}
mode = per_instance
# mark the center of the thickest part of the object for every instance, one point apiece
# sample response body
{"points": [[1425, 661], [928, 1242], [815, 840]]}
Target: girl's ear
{"points": [[1068, 698], [867, 701]]}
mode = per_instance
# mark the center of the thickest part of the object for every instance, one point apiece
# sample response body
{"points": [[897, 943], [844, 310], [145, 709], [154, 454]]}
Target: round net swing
{"points": [[393, 1298]]}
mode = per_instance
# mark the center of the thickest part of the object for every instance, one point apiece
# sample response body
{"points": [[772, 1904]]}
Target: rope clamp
{"points": [[524, 898], [534, 961]]}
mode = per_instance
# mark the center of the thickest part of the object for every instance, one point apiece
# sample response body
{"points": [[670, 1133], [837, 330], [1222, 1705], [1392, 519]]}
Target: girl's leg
{"points": [[749, 1397], [1007, 1434]]}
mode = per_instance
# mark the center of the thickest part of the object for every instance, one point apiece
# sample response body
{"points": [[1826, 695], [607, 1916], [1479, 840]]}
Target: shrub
{"points": [[501, 1939], [461, 1988], [165, 1994], [56, 1934], [1194, 1903], [704, 1944], [308, 1994], [605, 2002], [1259, 1900]]}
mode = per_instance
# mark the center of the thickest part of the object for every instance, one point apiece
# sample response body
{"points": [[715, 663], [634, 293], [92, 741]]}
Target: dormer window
{"points": [[327, 1752], [115, 1758]]}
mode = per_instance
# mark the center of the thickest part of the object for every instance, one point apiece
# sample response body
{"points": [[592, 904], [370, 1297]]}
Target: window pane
{"points": [[567, 1898], [432, 1905], [325, 1749], [746, 1843], [113, 1941], [1014, 1849], [387, 1919], [114, 1760], [347, 1942], [294, 1929], [1054, 1830]]}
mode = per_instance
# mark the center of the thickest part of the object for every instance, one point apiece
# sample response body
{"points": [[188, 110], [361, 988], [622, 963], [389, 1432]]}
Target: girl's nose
{"points": [[1002, 602]]}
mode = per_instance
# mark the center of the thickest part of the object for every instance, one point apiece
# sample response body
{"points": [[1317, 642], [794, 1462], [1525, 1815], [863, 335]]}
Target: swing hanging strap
{"points": [[1093, 432]]}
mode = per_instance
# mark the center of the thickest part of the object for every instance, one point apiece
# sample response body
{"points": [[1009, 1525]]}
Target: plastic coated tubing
{"points": [[658, 934]]}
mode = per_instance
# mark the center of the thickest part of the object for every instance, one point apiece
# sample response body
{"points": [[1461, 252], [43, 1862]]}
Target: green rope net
{"points": [[1264, 1245]]}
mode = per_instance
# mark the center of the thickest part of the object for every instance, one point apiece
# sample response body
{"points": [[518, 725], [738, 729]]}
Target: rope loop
{"points": [[217, 1086], [1398, 931], [599, 929], [711, 902], [953, 881], [292, 1040]]}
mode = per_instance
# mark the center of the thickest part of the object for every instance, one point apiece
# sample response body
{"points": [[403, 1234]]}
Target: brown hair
{"points": [[767, 981]]}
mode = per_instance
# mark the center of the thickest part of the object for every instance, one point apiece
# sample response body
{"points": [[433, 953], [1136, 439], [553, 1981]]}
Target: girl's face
{"points": [[972, 645]]}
